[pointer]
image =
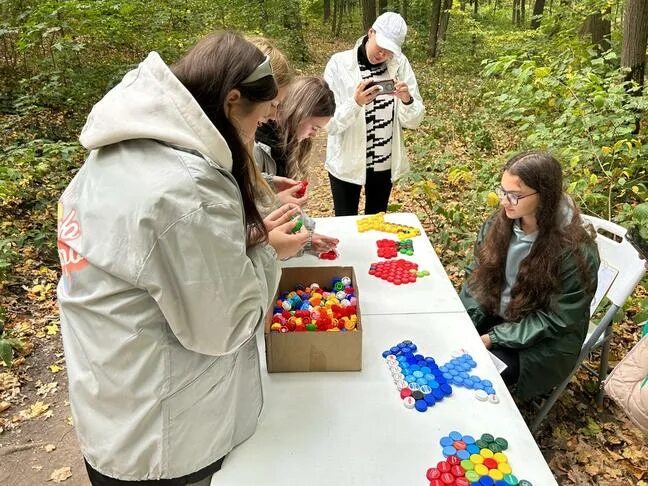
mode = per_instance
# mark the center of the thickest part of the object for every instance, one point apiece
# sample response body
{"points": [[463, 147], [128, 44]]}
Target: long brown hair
{"points": [[539, 274], [307, 96], [217, 64]]}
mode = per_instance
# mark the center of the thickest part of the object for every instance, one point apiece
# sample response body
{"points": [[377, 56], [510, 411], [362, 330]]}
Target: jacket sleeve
{"points": [[569, 308], [473, 307], [410, 116], [346, 108], [212, 294], [263, 159]]}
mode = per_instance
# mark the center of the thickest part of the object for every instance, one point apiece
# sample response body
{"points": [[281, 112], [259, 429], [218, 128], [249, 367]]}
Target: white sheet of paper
{"points": [[606, 276], [499, 364]]}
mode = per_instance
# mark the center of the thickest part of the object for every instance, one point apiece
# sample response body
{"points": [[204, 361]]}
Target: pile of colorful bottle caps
{"points": [[314, 308]]}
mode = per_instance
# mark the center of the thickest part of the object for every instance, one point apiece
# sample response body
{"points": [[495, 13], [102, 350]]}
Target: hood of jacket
{"points": [[151, 103]]}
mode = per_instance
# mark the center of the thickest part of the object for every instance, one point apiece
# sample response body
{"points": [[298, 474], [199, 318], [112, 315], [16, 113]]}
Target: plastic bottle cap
{"points": [[421, 405], [433, 473], [463, 454], [467, 465], [453, 460], [476, 459], [472, 476], [500, 457], [486, 453], [454, 435], [503, 443], [511, 480], [504, 468], [449, 451], [496, 474], [446, 441]]}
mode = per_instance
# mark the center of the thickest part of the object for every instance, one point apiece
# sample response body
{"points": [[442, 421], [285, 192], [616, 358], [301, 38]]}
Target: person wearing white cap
{"points": [[376, 96]]}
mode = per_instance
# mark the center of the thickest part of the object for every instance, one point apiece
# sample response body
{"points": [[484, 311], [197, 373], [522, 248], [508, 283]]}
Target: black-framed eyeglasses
{"points": [[512, 197]]}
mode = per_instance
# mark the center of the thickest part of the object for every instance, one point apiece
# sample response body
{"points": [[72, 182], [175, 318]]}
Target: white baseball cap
{"points": [[390, 30]]}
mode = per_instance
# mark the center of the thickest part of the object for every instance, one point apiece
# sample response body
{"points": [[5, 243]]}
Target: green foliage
{"points": [[58, 57], [7, 343], [582, 112], [66, 53], [31, 173]]}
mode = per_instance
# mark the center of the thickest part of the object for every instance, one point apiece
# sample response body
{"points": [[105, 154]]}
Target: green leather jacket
{"points": [[548, 340]]}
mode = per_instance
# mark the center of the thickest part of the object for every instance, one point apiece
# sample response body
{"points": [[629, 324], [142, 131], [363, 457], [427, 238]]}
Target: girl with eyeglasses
{"points": [[534, 275]]}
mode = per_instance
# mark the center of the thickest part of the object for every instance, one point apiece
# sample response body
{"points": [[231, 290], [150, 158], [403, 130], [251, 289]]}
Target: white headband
{"points": [[262, 70]]}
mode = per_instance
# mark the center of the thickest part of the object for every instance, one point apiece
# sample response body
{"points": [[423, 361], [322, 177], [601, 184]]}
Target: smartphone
{"points": [[386, 85]]}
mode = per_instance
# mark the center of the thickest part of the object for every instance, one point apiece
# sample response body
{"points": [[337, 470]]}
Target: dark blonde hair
{"points": [[539, 274], [216, 65], [307, 96], [283, 74]]}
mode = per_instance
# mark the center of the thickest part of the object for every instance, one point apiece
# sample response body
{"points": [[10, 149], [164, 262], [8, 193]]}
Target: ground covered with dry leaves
{"points": [[583, 445]]}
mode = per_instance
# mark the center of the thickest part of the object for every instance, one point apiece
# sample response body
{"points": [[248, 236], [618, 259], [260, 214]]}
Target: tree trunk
{"points": [[463, 5], [336, 8], [522, 11], [538, 11], [342, 5], [368, 13], [327, 10], [598, 27], [382, 6], [475, 7], [635, 37], [445, 19], [516, 12], [434, 29]]}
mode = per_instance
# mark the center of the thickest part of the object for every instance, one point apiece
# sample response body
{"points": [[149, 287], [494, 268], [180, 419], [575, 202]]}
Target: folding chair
{"points": [[620, 271]]}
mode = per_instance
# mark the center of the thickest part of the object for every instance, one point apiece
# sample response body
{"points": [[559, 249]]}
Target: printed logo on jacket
{"points": [[69, 230]]}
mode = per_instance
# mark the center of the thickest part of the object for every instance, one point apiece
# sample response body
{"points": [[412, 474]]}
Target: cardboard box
{"points": [[314, 350]]}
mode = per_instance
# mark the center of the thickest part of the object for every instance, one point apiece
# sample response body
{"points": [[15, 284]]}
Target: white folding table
{"points": [[351, 428]]}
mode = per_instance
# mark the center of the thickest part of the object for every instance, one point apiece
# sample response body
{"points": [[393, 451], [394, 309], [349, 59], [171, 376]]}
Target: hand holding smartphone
{"points": [[387, 86]]}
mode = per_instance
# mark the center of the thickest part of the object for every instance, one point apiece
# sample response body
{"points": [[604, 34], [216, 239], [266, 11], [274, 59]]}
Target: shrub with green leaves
{"points": [[7, 344], [581, 110]]}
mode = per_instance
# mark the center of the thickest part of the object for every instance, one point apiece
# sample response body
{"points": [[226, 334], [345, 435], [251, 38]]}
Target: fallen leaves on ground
{"points": [[35, 410], [60, 475]]}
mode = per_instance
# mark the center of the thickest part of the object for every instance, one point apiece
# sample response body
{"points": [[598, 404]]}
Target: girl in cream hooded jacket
{"points": [[159, 298]]}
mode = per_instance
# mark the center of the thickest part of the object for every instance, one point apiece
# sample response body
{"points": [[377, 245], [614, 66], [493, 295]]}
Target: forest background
{"points": [[496, 76]]}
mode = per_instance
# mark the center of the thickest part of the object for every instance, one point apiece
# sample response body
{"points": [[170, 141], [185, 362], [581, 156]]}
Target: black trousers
{"points": [[98, 479], [510, 357], [346, 195]]}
